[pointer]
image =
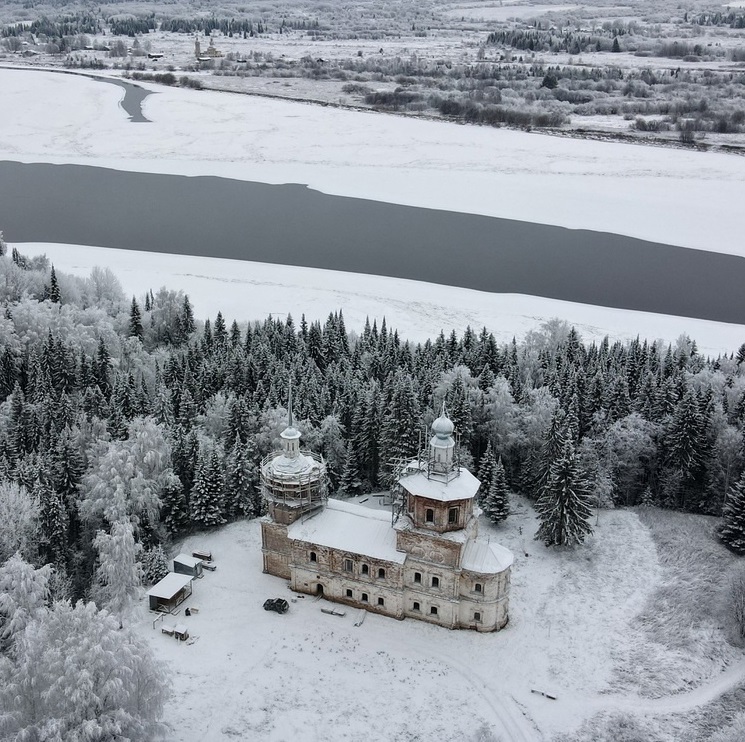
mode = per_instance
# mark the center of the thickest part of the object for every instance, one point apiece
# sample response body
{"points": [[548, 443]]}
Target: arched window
{"points": [[429, 515], [381, 574], [453, 515], [313, 557]]}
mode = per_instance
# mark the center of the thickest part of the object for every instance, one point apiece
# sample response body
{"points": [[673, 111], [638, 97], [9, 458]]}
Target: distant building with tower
{"points": [[211, 52], [421, 559]]}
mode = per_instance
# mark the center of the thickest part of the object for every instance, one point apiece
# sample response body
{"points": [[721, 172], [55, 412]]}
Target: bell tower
{"points": [[293, 482]]}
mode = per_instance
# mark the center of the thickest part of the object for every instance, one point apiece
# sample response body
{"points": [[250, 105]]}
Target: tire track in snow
{"points": [[674, 704], [513, 725]]}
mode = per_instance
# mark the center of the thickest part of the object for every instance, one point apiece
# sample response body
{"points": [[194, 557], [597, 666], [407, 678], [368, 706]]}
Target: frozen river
{"points": [[293, 225]]}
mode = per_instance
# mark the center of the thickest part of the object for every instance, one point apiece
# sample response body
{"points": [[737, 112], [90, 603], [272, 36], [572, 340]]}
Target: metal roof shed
{"points": [[170, 592], [187, 565]]}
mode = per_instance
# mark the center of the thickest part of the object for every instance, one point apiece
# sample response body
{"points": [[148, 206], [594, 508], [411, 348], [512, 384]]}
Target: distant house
{"points": [[155, 55], [170, 592], [428, 565]]}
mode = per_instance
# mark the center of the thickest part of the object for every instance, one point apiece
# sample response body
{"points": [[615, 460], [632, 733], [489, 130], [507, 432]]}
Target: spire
{"points": [[290, 435], [290, 420]]}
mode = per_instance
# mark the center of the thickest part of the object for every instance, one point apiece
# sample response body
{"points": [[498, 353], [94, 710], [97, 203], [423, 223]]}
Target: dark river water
{"points": [[132, 101], [293, 225]]}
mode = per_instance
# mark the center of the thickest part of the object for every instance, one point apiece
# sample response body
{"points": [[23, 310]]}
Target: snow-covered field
{"points": [[307, 675]]}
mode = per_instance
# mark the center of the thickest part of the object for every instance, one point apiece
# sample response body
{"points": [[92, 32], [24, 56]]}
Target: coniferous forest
{"points": [[127, 410], [124, 424]]}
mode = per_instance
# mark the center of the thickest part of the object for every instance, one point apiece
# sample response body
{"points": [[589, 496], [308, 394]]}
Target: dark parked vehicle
{"points": [[280, 605]]}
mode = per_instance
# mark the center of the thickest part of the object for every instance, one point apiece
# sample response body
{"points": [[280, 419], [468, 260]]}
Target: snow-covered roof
{"points": [[187, 560], [461, 487], [352, 528], [169, 585], [485, 558]]}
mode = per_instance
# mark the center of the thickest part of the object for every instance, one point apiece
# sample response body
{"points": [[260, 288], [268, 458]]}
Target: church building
{"points": [[422, 559]]}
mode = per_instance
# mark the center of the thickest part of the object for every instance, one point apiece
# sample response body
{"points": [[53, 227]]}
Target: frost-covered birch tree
{"points": [[75, 676], [118, 578]]}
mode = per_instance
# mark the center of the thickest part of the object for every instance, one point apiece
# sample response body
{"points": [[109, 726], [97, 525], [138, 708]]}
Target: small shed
{"points": [[184, 564], [170, 592]]}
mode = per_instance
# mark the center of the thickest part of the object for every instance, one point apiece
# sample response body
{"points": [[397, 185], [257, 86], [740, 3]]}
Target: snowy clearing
{"points": [[244, 290], [256, 674], [647, 192]]}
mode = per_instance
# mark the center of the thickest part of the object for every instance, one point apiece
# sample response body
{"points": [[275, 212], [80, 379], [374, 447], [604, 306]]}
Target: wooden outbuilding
{"points": [[170, 592], [184, 564]]}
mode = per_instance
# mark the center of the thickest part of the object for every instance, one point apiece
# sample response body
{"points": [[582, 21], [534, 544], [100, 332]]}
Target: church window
{"points": [[435, 582], [429, 515], [381, 573], [349, 593], [364, 597], [453, 515], [365, 569], [348, 566], [477, 617], [478, 587], [433, 610], [418, 577], [416, 606], [313, 557], [381, 601]]}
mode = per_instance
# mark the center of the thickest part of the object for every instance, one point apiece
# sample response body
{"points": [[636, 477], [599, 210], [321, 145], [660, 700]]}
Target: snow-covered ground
{"points": [[244, 290], [307, 675], [686, 198]]}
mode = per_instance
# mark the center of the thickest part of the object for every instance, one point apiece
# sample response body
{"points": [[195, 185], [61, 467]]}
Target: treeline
{"points": [[732, 18], [226, 26], [132, 26], [570, 40], [68, 25], [116, 411]]}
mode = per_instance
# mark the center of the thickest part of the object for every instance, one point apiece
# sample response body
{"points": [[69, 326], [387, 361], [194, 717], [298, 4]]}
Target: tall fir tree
{"points": [[497, 503], [351, 482], [241, 499], [486, 471], [206, 500], [135, 320], [564, 507], [732, 528]]}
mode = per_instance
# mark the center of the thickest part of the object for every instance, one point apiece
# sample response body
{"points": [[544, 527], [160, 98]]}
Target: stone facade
{"points": [[429, 565]]}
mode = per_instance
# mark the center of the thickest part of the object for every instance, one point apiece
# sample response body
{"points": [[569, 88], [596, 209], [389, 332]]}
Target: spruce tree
{"points": [[399, 437], [496, 505], [135, 320], [54, 524], [564, 507], [174, 513], [486, 472], [154, 565], [54, 292], [732, 528], [206, 502], [240, 481], [351, 483]]}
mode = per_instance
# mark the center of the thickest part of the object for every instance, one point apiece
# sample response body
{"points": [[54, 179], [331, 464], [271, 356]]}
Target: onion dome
{"points": [[443, 427]]}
